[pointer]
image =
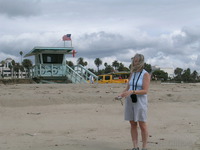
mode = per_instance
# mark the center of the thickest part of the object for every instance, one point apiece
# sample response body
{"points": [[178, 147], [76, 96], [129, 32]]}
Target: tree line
{"points": [[179, 73], [98, 62]]}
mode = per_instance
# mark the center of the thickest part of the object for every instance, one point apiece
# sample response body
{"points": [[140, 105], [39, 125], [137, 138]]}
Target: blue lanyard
{"points": [[135, 85]]}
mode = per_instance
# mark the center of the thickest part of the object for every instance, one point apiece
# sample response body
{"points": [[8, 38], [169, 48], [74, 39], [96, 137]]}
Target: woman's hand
{"points": [[126, 93]]}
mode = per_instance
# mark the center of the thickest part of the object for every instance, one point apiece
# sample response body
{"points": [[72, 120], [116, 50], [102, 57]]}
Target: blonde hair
{"points": [[140, 65]]}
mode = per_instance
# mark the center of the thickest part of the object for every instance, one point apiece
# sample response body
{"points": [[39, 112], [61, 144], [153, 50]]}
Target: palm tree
{"points": [[186, 76], [115, 64], [105, 64], [82, 62], [21, 53], [194, 75], [98, 62], [69, 63], [21, 68], [147, 67], [11, 66], [122, 67], [178, 73], [16, 69], [27, 63], [109, 69]]}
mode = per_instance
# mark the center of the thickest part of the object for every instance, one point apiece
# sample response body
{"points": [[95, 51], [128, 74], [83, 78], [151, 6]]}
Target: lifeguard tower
{"points": [[50, 66]]}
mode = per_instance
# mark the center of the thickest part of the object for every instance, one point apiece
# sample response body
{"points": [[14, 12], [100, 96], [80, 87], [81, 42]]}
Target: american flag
{"points": [[67, 37]]}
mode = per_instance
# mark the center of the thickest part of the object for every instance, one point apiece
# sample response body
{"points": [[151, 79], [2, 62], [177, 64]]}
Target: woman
{"points": [[136, 112]]}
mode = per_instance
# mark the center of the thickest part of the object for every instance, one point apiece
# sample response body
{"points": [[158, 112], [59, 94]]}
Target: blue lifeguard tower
{"points": [[50, 66]]}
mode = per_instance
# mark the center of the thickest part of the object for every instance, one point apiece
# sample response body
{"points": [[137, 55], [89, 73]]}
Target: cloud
{"points": [[198, 60], [11, 45], [110, 30], [116, 46], [22, 8]]}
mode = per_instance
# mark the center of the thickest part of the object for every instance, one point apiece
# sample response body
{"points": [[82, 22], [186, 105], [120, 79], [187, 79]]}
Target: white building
{"points": [[6, 72], [170, 71]]}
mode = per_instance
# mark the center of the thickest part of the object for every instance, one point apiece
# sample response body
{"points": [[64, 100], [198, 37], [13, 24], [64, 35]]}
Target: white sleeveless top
{"points": [[140, 81], [136, 111]]}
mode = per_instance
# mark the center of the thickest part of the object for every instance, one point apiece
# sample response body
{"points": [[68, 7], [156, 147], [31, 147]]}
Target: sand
{"points": [[85, 117]]}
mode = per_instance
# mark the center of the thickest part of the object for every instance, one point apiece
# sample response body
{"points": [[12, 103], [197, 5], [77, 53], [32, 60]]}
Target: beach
{"points": [[86, 117]]}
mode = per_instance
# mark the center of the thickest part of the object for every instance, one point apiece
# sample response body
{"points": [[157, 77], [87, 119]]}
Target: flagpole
{"points": [[71, 42], [64, 43]]}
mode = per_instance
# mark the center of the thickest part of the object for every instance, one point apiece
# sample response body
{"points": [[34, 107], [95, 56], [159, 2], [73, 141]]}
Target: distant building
{"points": [[155, 68], [7, 72], [170, 71]]}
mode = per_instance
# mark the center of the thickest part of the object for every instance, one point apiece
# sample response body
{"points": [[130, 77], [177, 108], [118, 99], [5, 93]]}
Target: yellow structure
{"points": [[118, 77]]}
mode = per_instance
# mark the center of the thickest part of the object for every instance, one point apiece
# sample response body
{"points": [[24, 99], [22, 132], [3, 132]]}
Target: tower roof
{"points": [[59, 50]]}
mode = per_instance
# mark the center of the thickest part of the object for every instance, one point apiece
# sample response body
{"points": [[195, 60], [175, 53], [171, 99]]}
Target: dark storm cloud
{"points": [[13, 8]]}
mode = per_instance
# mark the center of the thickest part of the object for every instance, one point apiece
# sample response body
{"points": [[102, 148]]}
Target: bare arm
{"points": [[127, 87]]}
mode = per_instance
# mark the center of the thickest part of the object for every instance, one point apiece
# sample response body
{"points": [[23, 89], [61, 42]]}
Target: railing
{"points": [[85, 72], [74, 76]]}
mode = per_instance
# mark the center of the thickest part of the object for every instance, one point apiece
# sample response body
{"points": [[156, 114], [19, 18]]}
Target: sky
{"points": [[166, 32]]}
